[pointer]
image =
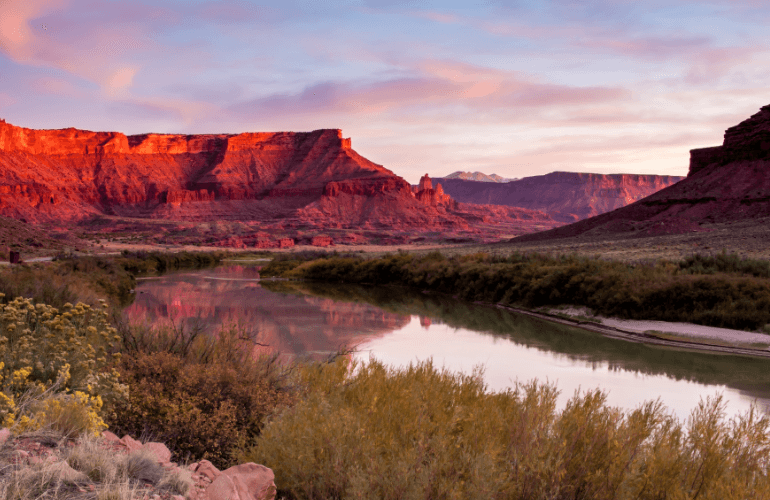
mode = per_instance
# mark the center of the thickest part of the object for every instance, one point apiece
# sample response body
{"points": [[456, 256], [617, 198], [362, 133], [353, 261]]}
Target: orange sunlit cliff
{"points": [[311, 179]]}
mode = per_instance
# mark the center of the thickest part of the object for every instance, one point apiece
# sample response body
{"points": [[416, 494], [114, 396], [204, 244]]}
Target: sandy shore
{"points": [[680, 329]]}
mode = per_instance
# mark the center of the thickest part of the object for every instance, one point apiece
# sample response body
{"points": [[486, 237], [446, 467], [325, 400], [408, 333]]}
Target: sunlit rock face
{"points": [[313, 179], [728, 183]]}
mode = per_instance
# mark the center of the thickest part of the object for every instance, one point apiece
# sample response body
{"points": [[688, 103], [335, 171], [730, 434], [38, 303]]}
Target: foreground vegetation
{"points": [[340, 430], [418, 432], [86, 469], [722, 290]]}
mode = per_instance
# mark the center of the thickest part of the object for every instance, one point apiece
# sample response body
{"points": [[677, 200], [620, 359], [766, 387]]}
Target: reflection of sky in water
{"points": [[505, 362]]}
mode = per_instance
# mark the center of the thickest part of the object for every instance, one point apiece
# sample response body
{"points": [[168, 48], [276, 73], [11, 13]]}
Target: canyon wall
{"points": [[566, 196], [290, 181], [726, 184], [747, 141]]}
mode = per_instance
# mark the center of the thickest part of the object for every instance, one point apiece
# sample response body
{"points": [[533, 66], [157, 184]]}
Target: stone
{"points": [[248, 481], [206, 469], [5, 434], [160, 450], [67, 473], [321, 241], [130, 443], [425, 183], [110, 438]]}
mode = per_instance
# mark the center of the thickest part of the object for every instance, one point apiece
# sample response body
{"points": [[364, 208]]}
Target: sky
{"points": [[517, 88]]}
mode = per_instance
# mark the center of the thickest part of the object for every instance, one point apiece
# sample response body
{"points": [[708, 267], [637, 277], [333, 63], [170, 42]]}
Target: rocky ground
{"points": [[45, 464]]}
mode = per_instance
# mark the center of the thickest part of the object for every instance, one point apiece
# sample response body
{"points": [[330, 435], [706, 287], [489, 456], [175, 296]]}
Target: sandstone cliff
{"points": [[726, 184], [70, 174], [566, 196]]}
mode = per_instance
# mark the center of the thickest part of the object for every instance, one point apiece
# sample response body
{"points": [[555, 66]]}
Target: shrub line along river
{"points": [[399, 326]]}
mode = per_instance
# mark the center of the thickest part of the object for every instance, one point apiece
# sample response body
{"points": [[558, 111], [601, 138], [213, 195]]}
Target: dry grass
{"points": [[417, 432], [750, 239], [85, 469]]}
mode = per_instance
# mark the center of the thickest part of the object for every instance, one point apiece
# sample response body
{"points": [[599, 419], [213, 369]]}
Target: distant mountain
{"points": [[565, 196], [477, 176], [728, 183]]}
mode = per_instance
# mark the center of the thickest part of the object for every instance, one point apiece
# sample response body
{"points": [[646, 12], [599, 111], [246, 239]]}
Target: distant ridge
{"points": [[725, 184], [477, 176], [565, 196]]}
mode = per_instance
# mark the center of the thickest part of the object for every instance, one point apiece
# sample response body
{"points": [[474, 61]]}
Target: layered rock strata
{"points": [[725, 184], [290, 179], [565, 196]]}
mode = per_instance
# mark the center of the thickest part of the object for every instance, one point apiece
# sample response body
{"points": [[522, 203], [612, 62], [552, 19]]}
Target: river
{"points": [[399, 326]]}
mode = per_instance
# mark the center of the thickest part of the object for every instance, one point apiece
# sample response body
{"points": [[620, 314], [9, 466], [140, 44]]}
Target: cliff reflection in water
{"points": [[288, 323], [399, 325], [748, 376]]}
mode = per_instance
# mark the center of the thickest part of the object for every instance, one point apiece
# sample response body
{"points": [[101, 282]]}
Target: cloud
{"points": [[40, 34], [436, 85], [17, 38], [186, 111], [6, 100], [57, 86], [713, 64], [119, 80]]}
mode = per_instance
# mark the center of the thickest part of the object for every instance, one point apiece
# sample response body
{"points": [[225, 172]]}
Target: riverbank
{"points": [[724, 291], [170, 382], [675, 335]]}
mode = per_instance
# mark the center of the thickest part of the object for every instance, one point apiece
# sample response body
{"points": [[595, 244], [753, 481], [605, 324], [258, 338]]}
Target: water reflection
{"points": [[290, 323], [399, 326]]}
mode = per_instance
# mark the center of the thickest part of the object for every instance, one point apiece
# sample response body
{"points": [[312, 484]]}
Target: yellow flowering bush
{"points": [[68, 414], [53, 362]]}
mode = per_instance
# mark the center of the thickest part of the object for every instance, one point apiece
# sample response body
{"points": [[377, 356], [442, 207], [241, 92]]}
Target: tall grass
{"points": [[417, 432]]}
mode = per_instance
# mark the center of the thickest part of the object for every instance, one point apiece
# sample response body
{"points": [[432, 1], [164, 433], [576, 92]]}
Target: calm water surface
{"points": [[399, 326]]}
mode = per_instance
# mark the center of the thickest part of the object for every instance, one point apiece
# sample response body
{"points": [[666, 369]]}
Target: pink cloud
{"points": [[439, 17], [17, 37], [38, 34], [713, 64], [6, 100], [52, 85], [653, 48], [437, 84]]}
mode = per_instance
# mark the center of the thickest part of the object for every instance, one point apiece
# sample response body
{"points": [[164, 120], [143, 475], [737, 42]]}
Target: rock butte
{"points": [[296, 179], [728, 183]]}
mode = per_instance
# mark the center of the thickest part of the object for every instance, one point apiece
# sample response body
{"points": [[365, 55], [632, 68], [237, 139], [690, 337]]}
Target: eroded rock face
{"points": [[72, 173], [566, 196], [728, 183], [747, 141], [309, 179]]}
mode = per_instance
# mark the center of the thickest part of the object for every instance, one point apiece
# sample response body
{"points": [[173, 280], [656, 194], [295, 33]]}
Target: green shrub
{"points": [[202, 403], [730, 297], [141, 262], [417, 432]]}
